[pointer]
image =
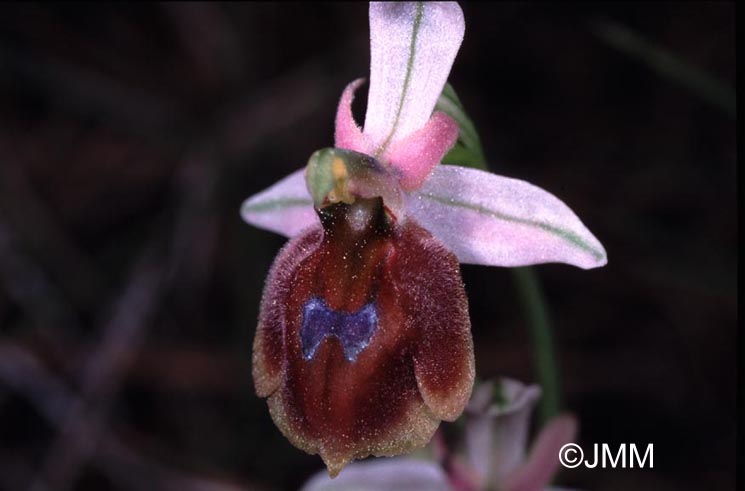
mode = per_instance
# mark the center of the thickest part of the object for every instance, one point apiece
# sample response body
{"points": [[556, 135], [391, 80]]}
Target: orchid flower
{"points": [[497, 436], [496, 441], [363, 343]]}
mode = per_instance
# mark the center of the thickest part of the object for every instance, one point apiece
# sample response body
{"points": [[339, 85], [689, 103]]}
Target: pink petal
{"points": [[493, 220], [543, 461], [348, 135], [496, 436], [285, 208], [479, 432], [416, 155], [479, 443], [511, 425], [413, 46], [399, 474]]}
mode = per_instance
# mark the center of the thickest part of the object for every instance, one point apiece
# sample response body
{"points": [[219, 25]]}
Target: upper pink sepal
{"points": [[412, 48], [498, 221], [415, 156], [347, 134], [285, 207]]}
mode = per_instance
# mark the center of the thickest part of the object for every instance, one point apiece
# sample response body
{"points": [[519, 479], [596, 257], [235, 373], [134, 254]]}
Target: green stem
{"points": [[534, 304]]}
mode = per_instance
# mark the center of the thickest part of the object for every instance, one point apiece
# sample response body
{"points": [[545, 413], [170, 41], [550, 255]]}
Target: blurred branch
{"points": [[667, 65], [85, 420], [36, 226], [22, 371], [208, 37], [130, 468], [251, 118], [87, 93], [196, 226], [193, 369], [14, 469], [28, 285]]}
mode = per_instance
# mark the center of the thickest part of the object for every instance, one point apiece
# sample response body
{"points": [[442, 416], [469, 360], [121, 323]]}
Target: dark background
{"points": [[129, 286]]}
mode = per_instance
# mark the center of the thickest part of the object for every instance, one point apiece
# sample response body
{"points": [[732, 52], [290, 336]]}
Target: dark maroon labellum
{"points": [[364, 341]]}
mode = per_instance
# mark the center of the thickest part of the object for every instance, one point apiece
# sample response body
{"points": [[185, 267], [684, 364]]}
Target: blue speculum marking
{"points": [[352, 329]]}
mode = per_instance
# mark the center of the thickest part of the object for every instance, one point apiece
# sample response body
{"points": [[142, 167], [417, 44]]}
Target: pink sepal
{"points": [[416, 155], [347, 134]]}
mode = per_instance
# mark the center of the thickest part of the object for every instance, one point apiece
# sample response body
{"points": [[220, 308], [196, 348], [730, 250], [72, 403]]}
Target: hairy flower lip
{"points": [[415, 370]]}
